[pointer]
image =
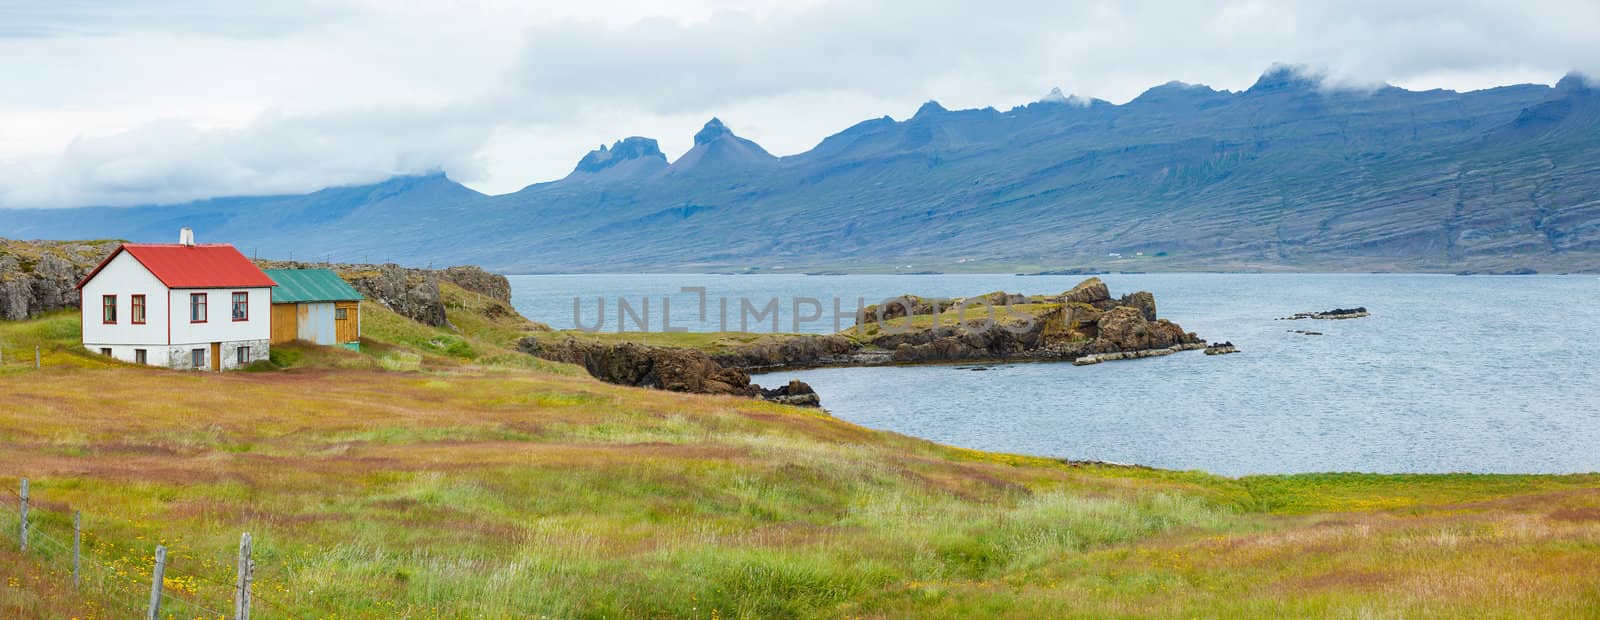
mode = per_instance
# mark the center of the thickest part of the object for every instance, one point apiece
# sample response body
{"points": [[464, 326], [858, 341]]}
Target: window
{"points": [[140, 357], [241, 306], [197, 307], [341, 314], [244, 355], [136, 310], [197, 358], [106, 351], [108, 309]]}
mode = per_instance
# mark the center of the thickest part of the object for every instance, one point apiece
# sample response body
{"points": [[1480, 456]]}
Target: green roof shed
{"points": [[309, 285], [316, 306]]}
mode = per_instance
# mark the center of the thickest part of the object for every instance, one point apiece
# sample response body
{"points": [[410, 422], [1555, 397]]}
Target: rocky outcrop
{"points": [[790, 351], [42, 276], [1125, 328], [415, 296], [1144, 301], [796, 393], [1091, 291], [1334, 314], [475, 280], [898, 307], [1085, 325], [1221, 348], [1083, 321], [673, 369]]}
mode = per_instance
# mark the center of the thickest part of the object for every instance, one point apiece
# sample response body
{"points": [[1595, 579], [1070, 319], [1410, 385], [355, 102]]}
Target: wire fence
{"points": [[126, 586]]}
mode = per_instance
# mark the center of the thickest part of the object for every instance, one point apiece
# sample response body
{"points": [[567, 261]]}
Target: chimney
{"points": [[186, 236]]}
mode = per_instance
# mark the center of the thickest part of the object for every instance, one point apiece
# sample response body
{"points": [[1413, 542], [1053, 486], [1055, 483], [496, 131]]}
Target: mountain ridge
{"points": [[1288, 174]]}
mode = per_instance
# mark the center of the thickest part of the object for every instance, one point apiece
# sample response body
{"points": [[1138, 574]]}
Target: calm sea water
{"points": [[1477, 374]]}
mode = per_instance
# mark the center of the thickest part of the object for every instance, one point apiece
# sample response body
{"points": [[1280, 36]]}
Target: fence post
{"points": [[36, 364], [155, 583], [77, 545], [24, 513], [247, 569]]}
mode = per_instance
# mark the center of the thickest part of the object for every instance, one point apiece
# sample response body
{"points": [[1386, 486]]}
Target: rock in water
{"points": [[1334, 314], [1125, 328], [1221, 348], [797, 393]]}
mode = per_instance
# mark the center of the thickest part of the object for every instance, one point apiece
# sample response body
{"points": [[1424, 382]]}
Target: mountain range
{"points": [[1289, 174]]}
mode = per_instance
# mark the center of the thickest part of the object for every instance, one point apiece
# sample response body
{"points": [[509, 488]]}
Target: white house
{"points": [[183, 306]]}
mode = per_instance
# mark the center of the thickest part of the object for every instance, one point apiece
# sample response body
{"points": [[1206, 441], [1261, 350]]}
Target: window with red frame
{"points": [[136, 310], [197, 307], [108, 309], [241, 306]]}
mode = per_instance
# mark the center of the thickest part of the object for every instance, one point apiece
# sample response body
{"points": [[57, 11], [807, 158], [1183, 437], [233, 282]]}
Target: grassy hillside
{"points": [[436, 475]]}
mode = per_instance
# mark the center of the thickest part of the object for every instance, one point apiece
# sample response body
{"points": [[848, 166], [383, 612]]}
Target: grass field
{"points": [[439, 474]]}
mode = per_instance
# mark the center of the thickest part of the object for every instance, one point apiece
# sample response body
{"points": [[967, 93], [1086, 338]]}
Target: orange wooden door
{"points": [[216, 357], [348, 328], [285, 323]]}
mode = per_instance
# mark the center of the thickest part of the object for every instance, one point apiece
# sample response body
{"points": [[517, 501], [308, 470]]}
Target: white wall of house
{"points": [[219, 325], [252, 334], [125, 277]]}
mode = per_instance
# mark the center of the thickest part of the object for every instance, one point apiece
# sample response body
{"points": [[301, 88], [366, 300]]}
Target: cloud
{"points": [[183, 99], [108, 17], [172, 160]]}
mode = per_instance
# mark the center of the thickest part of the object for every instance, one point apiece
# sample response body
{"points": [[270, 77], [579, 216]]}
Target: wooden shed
{"points": [[315, 305]]}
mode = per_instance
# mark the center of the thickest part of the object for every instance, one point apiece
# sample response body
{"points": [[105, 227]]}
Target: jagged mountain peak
{"points": [[628, 149], [712, 130], [717, 147], [931, 107], [1055, 96]]}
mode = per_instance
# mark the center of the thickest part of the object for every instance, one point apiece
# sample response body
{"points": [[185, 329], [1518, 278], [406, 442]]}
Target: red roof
{"points": [[211, 265]]}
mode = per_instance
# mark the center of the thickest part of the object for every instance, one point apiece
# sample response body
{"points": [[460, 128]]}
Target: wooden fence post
{"points": [[247, 569], [36, 364], [77, 546], [155, 583], [24, 515]]}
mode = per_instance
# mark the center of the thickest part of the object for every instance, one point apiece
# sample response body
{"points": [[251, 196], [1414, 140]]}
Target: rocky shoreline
{"points": [[1084, 325], [675, 369]]}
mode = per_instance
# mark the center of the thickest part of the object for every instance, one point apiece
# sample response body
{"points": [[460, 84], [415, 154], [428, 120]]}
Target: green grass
{"points": [[465, 487], [709, 342], [57, 337]]}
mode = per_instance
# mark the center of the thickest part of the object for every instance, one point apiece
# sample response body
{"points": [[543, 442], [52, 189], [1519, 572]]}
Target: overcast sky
{"points": [[182, 99]]}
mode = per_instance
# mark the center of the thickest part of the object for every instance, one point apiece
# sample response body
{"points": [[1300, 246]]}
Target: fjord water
{"points": [[1449, 374]]}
